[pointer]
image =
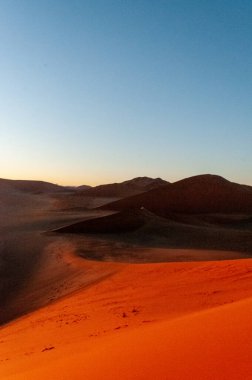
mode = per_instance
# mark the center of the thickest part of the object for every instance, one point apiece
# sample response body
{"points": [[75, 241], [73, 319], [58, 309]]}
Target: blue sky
{"points": [[103, 91]]}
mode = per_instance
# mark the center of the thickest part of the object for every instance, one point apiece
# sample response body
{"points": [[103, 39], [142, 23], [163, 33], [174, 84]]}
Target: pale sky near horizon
{"points": [[101, 91]]}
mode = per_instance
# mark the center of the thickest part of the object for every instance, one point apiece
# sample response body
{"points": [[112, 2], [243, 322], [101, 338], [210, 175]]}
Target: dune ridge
{"points": [[194, 195], [30, 186], [124, 189]]}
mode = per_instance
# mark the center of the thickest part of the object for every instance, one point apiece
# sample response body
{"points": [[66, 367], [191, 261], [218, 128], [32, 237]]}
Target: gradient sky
{"points": [[101, 91]]}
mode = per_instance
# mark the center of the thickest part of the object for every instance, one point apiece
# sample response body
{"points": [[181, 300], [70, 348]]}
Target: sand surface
{"points": [[147, 306], [143, 321]]}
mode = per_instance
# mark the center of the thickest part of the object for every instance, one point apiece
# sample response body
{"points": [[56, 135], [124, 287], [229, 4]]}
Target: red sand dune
{"points": [[206, 346], [147, 321], [194, 195]]}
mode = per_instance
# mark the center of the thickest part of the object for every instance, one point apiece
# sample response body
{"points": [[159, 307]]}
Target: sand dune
{"points": [[152, 321], [33, 270], [124, 189], [203, 346], [75, 202], [30, 186], [119, 222], [140, 227], [195, 195], [85, 197]]}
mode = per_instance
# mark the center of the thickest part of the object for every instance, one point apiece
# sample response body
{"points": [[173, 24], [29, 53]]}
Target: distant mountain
{"points": [[194, 195], [30, 186], [124, 189]]}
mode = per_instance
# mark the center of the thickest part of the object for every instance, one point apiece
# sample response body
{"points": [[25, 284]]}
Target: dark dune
{"points": [[94, 197], [125, 221], [194, 195], [145, 229], [77, 188], [20, 257], [74, 202], [30, 262], [124, 189], [30, 186], [242, 223], [83, 187]]}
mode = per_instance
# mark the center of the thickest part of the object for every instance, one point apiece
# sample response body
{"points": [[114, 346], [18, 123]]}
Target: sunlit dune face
{"points": [[147, 319]]}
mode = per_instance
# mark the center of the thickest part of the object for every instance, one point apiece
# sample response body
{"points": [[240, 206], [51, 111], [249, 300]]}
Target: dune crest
{"points": [[195, 195]]}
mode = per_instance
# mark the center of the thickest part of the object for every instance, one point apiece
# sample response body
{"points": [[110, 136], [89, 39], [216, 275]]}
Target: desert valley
{"points": [[143, 279]]}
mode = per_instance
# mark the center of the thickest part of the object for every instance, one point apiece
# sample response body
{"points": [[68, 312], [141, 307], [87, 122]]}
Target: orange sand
{"points": [[145, 321]]}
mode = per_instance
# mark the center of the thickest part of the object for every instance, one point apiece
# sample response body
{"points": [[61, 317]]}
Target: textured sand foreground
{"points": [[143, 321]]}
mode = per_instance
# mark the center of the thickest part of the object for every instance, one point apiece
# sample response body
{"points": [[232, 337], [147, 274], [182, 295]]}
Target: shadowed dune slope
{"points": [[124, 189], [30, 186], [94, 197], [126, 221], [31, 260], [140, 227], [83, 187], [194, 195]]}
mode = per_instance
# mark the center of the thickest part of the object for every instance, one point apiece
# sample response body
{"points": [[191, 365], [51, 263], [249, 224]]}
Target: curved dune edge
{"points": [[146, 321]]}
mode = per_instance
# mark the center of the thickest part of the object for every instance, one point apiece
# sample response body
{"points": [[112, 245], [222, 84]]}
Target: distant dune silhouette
{"points": [[82, 187], [30, 186], [124, 189], [194, 195]]}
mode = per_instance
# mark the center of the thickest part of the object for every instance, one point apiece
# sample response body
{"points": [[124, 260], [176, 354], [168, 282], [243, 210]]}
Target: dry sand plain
{"points": [[132, 312]]}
